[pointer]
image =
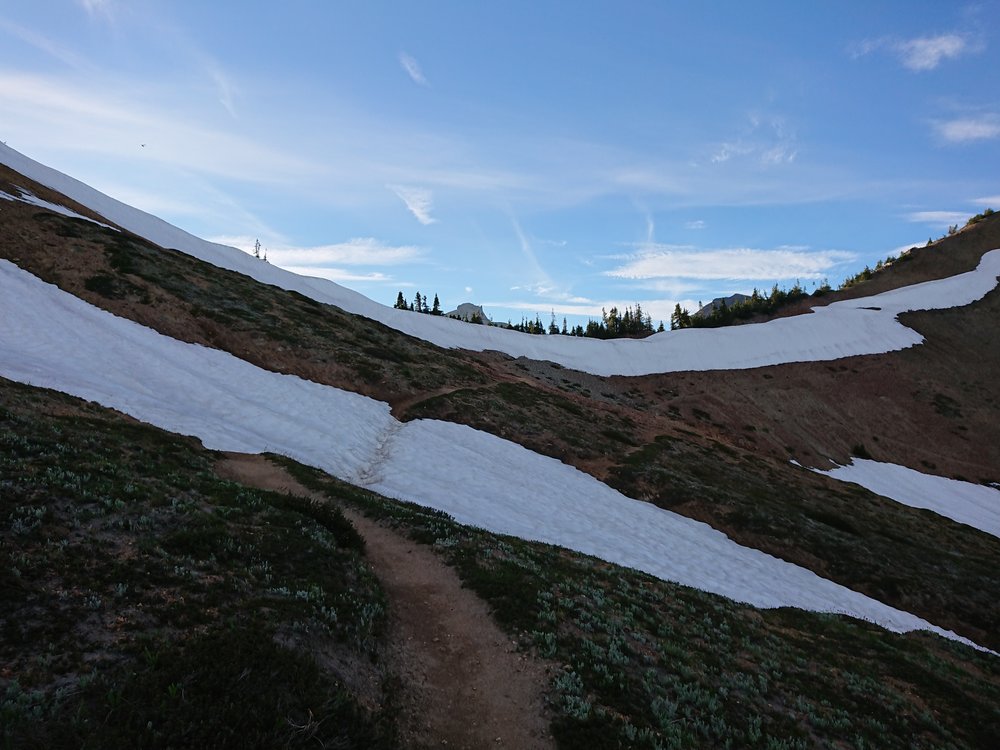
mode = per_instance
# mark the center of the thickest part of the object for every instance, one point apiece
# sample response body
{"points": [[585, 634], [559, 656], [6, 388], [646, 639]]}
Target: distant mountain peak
{"points": [[467, 310], [718, 302]]}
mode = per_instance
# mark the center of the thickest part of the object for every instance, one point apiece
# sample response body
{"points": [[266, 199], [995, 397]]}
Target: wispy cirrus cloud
{"points": [[338, 274], [967, 129], [419, 202], [44, 44], [920, 53], [328, 261], [541, 278], [103, 8], [650, 228], [989, 201], [938, 218], [412, 68], [357, 251], [117, 124], [550, 293], [926, 53], [729, 149], [664, 261], [695, 224], [224, 86], [768, 140]]}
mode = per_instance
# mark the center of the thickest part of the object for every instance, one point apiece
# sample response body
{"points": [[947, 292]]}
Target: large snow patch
{"points": [[975, 505], [51, 339]]}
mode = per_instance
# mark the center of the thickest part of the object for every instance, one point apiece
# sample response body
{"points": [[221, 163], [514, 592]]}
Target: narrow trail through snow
{"points": [[372, 472], [464, 685]]}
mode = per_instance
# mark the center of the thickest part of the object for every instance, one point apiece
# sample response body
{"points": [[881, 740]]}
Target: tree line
{"points": [[628, 323], [756, 304], [419, 304], [614, 324]]}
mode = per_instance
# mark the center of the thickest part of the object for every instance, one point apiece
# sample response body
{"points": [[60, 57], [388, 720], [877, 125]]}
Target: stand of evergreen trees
{"points": [[419, 304], [756, 304], [633, 324], [760, 304], [630, 323]]}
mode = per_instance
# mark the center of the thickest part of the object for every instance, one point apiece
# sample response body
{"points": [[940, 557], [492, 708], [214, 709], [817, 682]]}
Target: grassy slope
{"points": [[651, 664], [146, 602], [714, 446]]}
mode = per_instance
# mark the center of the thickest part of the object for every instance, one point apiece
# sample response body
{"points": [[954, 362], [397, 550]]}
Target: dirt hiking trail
{"points": [[463, 683]]}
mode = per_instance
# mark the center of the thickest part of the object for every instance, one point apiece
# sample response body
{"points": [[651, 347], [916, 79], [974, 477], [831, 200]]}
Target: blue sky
{"points": [[527, 156]]}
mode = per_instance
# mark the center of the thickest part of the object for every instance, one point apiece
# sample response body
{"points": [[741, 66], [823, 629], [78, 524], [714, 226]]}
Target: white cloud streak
{"points": [[734, 263], [40, 107], [767, 140], [412, 68], [358, 251], [970, 129], [224, 86], [338, 275], [938, 218], [419, 201], [96, 8], [730, 149], [926, 53], [44, 44], [920, 53], [542, 283]]}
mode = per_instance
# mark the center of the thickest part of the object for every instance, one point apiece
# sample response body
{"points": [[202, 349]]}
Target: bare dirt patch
{"points": [[463, 683]]}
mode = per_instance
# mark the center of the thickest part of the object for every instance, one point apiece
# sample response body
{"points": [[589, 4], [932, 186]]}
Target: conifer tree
{"points": [[680, 318], [675, 317]]}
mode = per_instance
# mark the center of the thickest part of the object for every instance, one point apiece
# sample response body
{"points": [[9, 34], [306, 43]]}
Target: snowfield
{"points": [[34, 200], [51, 339], [972, 504], [843, 329]]}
